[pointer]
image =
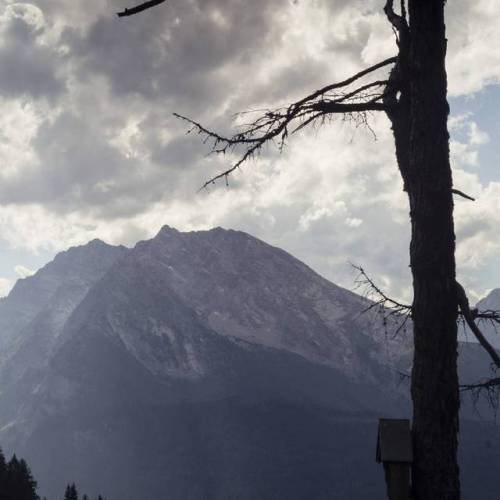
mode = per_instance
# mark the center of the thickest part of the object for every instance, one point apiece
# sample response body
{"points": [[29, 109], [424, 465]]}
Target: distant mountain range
{"points": [[206, 365]]}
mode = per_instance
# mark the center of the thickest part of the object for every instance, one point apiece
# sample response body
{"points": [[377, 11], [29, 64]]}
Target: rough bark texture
{"points": [[428, 181]]}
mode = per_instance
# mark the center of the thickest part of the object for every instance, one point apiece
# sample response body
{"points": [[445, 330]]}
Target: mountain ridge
{"points": [[208, 364]]}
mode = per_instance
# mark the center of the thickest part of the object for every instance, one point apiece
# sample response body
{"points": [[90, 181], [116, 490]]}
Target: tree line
{"points": [[17, 482]]}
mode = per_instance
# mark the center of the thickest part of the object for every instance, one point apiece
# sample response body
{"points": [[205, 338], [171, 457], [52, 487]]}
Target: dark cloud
{"points": [[28, 67], [195, 57], [109, 155], [176, 54], [75, 165]]}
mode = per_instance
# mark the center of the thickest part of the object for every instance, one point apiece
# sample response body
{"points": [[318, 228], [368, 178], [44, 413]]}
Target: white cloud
{"points": [[23, 272], [473, 61], [106, 159], [477, 137], [5, 286]]}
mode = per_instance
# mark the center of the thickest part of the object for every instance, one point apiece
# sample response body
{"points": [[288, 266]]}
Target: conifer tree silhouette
{"points": [[71, 492]]}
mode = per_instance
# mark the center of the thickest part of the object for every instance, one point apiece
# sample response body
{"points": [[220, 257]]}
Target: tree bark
{"points": [[428, 181]]}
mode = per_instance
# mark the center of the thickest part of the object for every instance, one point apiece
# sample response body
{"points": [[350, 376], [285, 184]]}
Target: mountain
{"points": [[202, 365], [35, 312], [491, 302]]}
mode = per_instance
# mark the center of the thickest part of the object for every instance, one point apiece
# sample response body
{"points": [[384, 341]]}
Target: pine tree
{"points": [[20, 484], [28, 483], [11, 482], [3, 476], [71, 492]]}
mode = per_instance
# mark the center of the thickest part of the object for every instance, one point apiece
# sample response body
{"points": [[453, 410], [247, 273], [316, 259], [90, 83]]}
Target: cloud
{"points": [[5, 286], [23, 272], [89, 147], [29, 66], [472, 34]]}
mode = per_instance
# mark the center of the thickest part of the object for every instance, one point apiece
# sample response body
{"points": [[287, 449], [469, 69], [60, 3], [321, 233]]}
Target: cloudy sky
{"points": [[89, 147]]}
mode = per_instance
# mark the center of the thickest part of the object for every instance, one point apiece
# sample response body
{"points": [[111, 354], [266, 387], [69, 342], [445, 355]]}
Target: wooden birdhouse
{"points": [[394, 451]]}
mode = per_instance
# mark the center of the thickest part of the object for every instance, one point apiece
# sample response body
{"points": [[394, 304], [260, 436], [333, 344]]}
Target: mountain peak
{"points": [[167, 230], [491, 301]]}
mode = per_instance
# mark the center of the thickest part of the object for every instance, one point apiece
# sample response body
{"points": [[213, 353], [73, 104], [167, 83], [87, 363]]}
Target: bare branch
{"points": [[276, 125], [364, 88], [462, 194], [488, 388], [391, 310], [348, 81], [363, 279], [463, 302], [139, 8], [483, 384], [487, 315], [335, 107]]}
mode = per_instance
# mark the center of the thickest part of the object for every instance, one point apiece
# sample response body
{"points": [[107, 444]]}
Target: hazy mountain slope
{"points": [[34, 314], [204, 365], [53, 291]]}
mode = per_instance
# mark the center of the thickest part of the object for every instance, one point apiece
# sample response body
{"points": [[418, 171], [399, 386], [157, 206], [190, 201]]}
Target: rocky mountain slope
{"points": [[196, 366]]}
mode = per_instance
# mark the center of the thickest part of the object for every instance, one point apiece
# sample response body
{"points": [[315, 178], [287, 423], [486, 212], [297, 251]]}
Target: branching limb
{"points": [[463, 303], [276, 125], [139, 8]]}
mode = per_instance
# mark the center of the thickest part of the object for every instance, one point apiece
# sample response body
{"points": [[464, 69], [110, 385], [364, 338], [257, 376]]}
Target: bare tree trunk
{"points": [[428, 181]]}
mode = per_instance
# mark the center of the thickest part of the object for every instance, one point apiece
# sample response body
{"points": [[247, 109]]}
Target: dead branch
{"points": [[139, 8], [484, 384], [463, 303], [488, 388], [275, 125], [487, 315], [462, 194], [390, 309], [364, 280], [347, 82]]}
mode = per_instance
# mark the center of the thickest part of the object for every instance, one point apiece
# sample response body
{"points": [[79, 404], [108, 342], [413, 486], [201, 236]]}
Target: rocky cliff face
{"points": [[240, 289], [196, 365]]}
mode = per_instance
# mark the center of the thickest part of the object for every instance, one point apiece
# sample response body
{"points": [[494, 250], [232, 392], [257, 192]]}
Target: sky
{"points": [[89, 146]]}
